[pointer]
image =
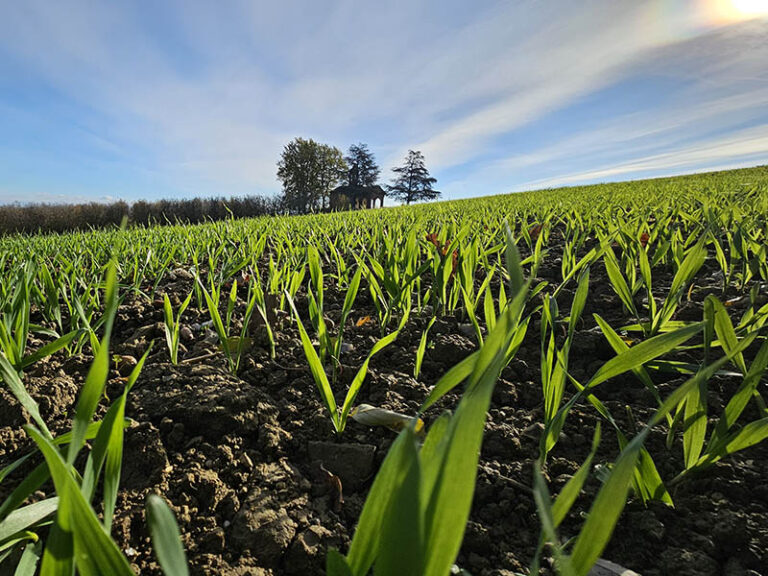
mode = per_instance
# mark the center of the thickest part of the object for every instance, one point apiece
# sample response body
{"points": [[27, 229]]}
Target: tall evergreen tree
{"points": [[308, 171], [413, 182], [362, 167]]}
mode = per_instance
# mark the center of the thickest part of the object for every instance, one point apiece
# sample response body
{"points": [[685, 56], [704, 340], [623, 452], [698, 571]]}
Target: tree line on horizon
{"points": [[309, 171], [36, 218]]}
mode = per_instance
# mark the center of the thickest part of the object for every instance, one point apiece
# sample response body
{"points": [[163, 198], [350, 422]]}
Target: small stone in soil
{"points": [[352, 463]]}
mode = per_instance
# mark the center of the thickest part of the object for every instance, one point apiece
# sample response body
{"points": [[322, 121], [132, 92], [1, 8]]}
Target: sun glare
{"points": [[730, 11], [750, 7]]}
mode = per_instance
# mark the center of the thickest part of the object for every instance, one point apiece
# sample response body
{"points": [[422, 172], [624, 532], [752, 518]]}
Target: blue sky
{"points": [[142, 99]]}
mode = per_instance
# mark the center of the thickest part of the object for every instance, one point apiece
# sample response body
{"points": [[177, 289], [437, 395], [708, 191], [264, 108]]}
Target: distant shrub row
{"points": [[35, 218]]}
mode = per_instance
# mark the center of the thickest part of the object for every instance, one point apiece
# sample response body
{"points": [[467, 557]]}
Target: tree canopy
{"points": [[412, 181], [308, 171], [362, 168]]}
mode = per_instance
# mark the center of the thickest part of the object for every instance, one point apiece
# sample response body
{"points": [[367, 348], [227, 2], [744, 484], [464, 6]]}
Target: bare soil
{"points": [[250, 463]]}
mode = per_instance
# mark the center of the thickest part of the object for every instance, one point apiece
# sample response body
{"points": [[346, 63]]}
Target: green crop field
{"points": [[528, 383]]}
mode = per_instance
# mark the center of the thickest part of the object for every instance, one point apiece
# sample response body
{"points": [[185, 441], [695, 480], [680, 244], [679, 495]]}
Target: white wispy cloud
{"points": [[742, 148], [43, 197], [571, 57], [716, 120]]}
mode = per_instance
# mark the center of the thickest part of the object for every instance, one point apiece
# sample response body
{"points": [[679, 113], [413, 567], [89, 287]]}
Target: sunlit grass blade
{"points": [[546, 515], [695, 423], [401, 545], [579, 301], [570, 491], [359, 378], [96, 380], [316, 367], [26, 517], [514, 268], [29, 560], [218, 325], [643, 352], [740, 399], [365, 544], [725, 331], [618, 282], [93, 550], [455, 376], [50, 348], [166, 539], [448, 507], [606, 509], [421, 350], [114, 451], [751, 434]]}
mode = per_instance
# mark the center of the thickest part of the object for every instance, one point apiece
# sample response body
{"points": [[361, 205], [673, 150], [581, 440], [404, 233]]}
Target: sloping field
{"points": [[240, 354]]}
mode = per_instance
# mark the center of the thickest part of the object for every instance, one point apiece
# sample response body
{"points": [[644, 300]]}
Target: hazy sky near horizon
{"points": [[139, 99]]}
